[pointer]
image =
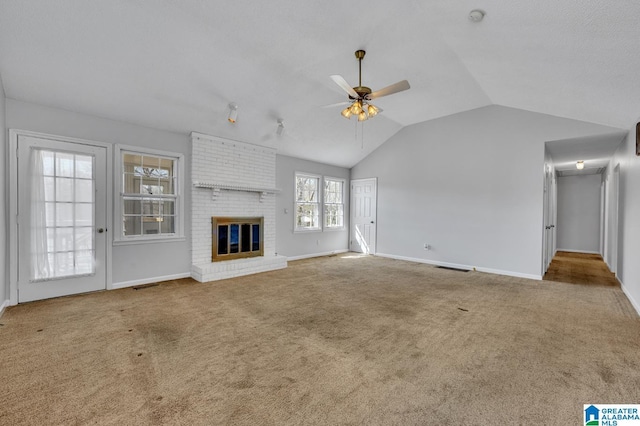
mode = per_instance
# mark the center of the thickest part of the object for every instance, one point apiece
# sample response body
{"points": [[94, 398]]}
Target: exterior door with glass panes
{"points": [[62, 232]]}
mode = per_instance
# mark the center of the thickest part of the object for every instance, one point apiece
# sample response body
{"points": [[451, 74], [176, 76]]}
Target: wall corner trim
{"points": [[4, 306], [634, 302]]}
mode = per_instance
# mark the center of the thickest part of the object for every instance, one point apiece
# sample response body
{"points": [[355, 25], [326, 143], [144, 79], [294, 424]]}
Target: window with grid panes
{"points": [[333, 203], [149, 195], [307, 203]]}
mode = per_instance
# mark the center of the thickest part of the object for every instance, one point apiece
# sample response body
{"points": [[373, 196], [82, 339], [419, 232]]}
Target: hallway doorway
{"points": [[580, 268]]}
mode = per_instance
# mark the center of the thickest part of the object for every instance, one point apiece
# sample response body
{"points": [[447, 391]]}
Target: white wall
{"points": [[470, 185], [4, 147], [305, 244], [140, 262], [629, 214], [578, 224]]}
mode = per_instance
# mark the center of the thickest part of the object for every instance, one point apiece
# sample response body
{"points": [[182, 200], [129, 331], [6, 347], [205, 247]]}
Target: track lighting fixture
{"points": [[280, 129]]}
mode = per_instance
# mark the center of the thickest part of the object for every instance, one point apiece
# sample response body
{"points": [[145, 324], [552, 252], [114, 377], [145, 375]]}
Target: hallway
{"points": [[580, 268]]}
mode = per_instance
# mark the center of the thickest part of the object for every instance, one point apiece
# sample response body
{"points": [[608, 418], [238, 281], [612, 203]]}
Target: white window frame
{"points": [[324, 204], [118, 236], [319, 201]]}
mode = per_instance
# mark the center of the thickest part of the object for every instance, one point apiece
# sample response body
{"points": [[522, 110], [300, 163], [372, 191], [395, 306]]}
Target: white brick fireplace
{"points": [[231, 179]]}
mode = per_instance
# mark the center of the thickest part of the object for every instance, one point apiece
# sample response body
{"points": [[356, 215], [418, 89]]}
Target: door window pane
{"points": [[67, 209], [64, 239], [84, 191], [83, 238], [84, 166], [64, 164], [64, 214], [64, 189], [84, 262], [48, 163], [84, 215]]}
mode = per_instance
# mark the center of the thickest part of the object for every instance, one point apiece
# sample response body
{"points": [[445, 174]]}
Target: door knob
{"points": [[101, 230], [372, 222]]}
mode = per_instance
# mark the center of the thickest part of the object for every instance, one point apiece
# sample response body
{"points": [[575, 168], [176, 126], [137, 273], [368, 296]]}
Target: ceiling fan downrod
{"points": [[361, 90]]}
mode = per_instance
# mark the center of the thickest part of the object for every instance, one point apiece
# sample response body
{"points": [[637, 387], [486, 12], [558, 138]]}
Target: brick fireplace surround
{"points": [[231, 179]]}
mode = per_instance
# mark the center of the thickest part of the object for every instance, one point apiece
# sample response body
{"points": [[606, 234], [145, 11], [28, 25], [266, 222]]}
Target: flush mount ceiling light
{"points": [[280, 129], [476, 15], [233, 112], [580, 165], [360, 96]]}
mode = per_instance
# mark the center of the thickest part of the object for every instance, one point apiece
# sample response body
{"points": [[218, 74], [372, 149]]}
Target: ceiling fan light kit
{"points": [[360, 96]]}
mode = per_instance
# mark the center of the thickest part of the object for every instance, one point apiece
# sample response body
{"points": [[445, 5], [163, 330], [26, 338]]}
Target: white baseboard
{"points": [[460, 266], [4, 306], [633, 301], [579, 251], [308, 256], [142, 281]]}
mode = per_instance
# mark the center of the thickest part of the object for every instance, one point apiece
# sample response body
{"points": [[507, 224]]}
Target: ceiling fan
{"points": [[361, 96]]}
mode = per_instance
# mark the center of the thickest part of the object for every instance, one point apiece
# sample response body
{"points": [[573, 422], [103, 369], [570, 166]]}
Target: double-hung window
{"points": [[333, 203], [150, 202], [307, 202]]}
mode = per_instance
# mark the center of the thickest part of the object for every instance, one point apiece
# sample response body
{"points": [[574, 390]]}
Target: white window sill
{"points": [[148, 240]]}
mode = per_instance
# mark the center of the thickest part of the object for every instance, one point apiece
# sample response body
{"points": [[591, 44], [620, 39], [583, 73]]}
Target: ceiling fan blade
{"points": [[336, 105], [390, 90], [340, 81]]}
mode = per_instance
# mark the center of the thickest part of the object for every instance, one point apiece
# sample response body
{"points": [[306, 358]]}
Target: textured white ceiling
{"points": [[175, 65]]}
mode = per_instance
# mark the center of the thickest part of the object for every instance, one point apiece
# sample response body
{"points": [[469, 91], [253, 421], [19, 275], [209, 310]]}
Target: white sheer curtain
{"points": [[40, 266]]}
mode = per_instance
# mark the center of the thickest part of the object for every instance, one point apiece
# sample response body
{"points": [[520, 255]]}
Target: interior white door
{"points": [[549, 218], [363, 215], [61, 218], [615, 215]]}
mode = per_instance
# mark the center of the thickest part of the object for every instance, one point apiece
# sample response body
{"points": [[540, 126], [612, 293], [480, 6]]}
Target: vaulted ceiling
{"points": [[176, 65]]}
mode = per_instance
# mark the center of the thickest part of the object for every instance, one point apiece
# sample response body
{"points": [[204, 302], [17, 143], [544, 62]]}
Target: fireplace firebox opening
{"points": [[236, 237]]}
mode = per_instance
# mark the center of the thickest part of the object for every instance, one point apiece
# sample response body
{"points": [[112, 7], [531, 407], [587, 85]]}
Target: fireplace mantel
{"points": [[217, 187]]}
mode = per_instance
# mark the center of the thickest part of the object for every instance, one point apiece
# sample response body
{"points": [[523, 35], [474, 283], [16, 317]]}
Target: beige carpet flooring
{"points": [[342, 340]]}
